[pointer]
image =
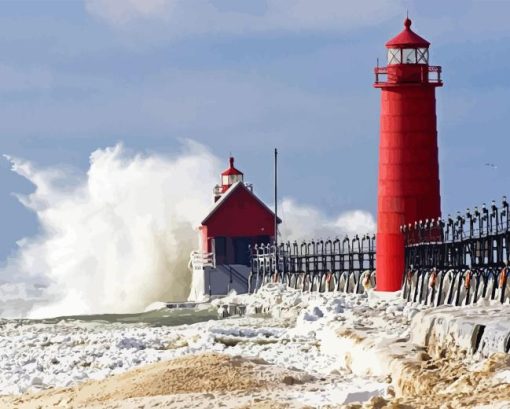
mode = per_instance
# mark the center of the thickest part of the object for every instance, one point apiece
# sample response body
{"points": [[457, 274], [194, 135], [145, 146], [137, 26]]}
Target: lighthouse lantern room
{"points": [[228, 178]]}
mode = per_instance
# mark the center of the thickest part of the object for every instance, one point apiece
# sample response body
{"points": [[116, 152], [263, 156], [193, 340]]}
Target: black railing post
{"points": [[471, 246]]}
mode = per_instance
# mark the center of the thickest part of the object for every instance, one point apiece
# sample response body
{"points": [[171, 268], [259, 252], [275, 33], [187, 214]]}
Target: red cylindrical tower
{"points": [[408, 185]]}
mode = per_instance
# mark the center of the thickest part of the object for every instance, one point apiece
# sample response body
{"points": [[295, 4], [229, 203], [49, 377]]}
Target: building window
{"points": [[409, 56], [422, 55], [394, 56], [235, 178]]}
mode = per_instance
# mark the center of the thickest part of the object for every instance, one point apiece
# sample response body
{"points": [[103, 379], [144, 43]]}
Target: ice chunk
{"points": [[495, 338], [155, 306], [36, 381], [131, 343]]}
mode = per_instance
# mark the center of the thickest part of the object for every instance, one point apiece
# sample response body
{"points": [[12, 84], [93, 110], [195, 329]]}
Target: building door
{"points": [[220, 249], [241, 250]]}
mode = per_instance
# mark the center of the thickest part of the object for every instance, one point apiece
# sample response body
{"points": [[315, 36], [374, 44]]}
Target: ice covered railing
{"points": [[323, 265], [199, 260], [460, 259]]}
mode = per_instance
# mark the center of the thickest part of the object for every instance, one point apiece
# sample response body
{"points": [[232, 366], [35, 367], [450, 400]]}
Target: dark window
{"points": [[262, 240], [220, 249]]}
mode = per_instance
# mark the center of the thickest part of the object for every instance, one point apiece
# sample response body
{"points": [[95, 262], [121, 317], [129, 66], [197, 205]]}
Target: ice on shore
{"points": [[38, 355], [350, 340], [155, 306], [481, 330]]}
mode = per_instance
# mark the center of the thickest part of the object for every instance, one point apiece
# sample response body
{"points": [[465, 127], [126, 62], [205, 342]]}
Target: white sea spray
{"points": [[118, 238]]}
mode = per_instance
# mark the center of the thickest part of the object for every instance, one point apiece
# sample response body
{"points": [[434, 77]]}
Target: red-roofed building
{"points": [[237, 220]]}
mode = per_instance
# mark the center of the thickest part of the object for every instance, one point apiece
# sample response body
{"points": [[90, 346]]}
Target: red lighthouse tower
{"points": [[408, 185]]}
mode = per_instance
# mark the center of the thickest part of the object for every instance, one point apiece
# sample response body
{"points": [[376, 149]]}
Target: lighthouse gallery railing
{"points": [[323, 265], [385, 76]]}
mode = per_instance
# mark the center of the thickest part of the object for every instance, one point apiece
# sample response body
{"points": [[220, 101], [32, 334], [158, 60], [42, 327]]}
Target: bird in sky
{"points": [[491, 165]]}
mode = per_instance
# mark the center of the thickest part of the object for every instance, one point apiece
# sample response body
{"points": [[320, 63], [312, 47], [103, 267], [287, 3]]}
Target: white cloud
{"points": [[230, 16], [302, 222]]}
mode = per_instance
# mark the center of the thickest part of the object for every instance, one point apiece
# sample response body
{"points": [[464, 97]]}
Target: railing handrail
{"points": [[477, 240], [480, 222], [218, 189], [201, 259], [430, 68], [316, 264], [425, 69]]}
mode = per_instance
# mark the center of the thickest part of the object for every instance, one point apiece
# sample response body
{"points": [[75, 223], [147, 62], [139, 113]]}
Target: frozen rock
{"points": [[313, 315], [36, 381], [130, 343], [495, 338], [482, 329]]}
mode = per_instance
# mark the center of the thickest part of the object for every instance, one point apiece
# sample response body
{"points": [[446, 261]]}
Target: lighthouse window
{"points": [[231, 179], [422, 55], [409, 56], [394, 56]]}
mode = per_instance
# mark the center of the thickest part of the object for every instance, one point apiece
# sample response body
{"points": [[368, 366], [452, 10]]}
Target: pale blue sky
{"points": [[242, 77]]}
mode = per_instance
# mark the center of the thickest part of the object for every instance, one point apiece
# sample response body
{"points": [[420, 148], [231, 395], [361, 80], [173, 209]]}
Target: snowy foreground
{"points": [[336, 348]]}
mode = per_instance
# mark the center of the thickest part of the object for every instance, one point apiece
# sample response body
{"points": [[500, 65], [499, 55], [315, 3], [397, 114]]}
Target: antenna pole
{"points": [[276, 208]]}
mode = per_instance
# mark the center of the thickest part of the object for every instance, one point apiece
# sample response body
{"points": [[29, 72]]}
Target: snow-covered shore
{"points": [[352, 347]]}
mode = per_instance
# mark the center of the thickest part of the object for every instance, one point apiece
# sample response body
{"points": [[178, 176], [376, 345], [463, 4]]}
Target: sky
{"points": [[243, 77]]}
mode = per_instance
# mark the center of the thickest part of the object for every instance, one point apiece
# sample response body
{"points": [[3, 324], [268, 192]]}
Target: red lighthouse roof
{"points": [[407, 38], [249, 196], [231, 170]]}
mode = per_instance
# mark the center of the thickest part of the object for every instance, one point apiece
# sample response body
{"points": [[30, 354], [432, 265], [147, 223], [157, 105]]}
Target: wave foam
{"points": [[118, 238]]}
